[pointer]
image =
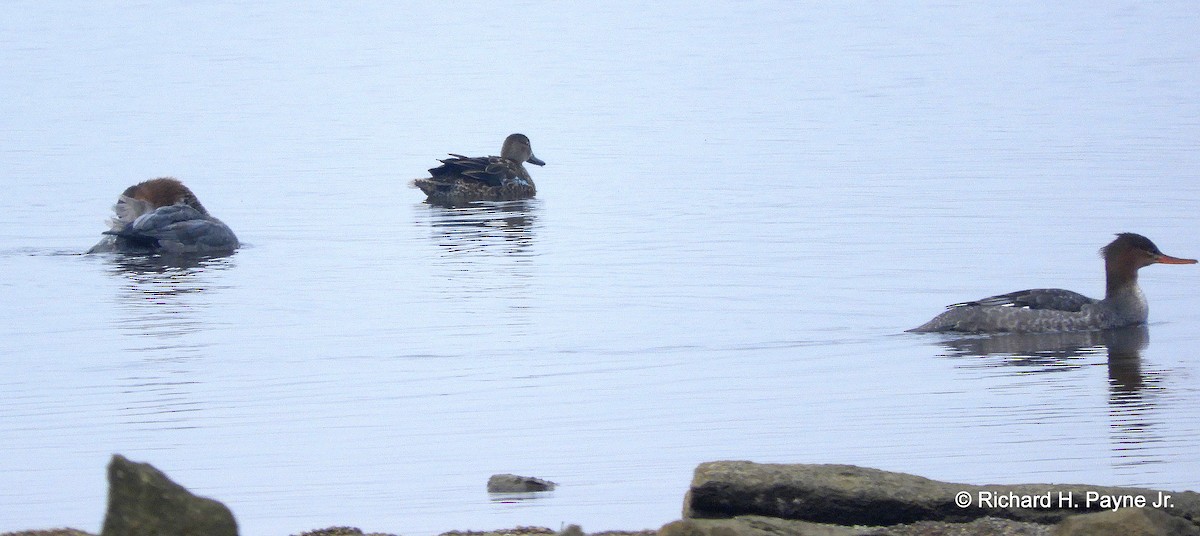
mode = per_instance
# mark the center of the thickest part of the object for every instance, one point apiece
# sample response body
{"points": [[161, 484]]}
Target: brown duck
{"points": [[462, 179]]}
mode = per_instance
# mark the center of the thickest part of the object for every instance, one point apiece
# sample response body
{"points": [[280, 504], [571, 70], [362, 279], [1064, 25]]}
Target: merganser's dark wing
{"points": [[1054, 299]]}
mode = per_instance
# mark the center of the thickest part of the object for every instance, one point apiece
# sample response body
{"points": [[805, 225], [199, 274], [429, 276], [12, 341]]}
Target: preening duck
{"points": [[164, 216]]}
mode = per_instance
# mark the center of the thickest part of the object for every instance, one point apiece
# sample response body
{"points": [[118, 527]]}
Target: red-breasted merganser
{"points": [[164, 216], [462, 179], [1052, 309]]}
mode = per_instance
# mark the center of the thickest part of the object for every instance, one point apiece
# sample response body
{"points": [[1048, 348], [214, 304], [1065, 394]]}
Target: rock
{"points": [[850, 495], [341, 531], [1126, 522], [334, 531], [517, 484], [984, 526], [143, 501], [755, 526], [515, 531], [771, 526]]}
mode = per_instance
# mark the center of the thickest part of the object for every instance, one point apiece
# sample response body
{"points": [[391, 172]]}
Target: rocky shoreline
{"points": [[738, 498]]}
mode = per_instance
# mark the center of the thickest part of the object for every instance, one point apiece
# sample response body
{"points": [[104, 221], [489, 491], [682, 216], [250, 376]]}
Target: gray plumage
{"points": [[175, 229], [1045, 310], [164, 216]]}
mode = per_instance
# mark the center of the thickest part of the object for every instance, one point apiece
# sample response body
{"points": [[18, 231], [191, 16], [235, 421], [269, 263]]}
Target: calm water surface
{"points": [[744, 208]]}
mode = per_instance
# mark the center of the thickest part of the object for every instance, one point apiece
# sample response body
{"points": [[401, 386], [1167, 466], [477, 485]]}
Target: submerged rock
{"points": [[850, 495], [517, 484], [142, 501]]}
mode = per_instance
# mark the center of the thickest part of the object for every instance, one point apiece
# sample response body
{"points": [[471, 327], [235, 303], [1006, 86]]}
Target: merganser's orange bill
{"points": [[1167, 259]]}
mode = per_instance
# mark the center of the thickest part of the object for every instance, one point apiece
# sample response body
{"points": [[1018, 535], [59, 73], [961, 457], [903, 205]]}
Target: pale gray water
{"points": [[744, 206]]}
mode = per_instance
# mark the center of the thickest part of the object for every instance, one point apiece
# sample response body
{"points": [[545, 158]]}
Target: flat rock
{"points": [[755, 526], [515, 531], [342, 531], [984, 526], [507, 483], [858, 496], [142, 501], [772, 526]]}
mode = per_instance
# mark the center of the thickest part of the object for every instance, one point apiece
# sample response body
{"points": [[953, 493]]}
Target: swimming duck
{"points": [[1041, 310], [163, 215], [461, 179]]}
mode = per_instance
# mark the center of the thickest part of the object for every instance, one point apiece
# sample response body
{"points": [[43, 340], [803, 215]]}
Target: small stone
{"points": [[517, 484], [142, 501]]}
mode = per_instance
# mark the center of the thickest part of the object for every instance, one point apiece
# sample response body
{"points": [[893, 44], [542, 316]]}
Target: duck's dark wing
{"points": [[491, 170], [1054, 299], [177, 229]]}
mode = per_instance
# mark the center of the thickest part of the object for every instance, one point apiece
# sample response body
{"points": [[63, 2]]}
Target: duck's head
{"points": [[163, 192], [516, 148], [1132, 251]]}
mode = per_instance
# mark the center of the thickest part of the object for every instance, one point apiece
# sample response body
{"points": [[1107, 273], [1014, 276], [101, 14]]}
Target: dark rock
{"points": [[772, 526], [517, 484], [755, 526], [515, 531], [341, 531], [1126, 522], [334, 531], [984, 526], [850, 495], [142, 501]]}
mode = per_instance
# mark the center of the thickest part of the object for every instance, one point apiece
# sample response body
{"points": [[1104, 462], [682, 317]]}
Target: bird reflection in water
{"points": [[1048, 352], [485, 263], [1132, 392], [163, 320], [495, 228]]}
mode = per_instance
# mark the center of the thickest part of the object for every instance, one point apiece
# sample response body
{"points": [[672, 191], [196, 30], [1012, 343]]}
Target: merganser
{"points": [[1052, 309], [462, 179], [164, 216]]}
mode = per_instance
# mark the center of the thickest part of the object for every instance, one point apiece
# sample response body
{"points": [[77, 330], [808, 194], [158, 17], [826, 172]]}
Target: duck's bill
{"points": [[535, 161], [1167, 259]]}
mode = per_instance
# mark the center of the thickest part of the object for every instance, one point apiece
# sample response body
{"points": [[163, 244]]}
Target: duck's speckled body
{"points": [[461, 179], [164, 216], [1042, 310]]}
